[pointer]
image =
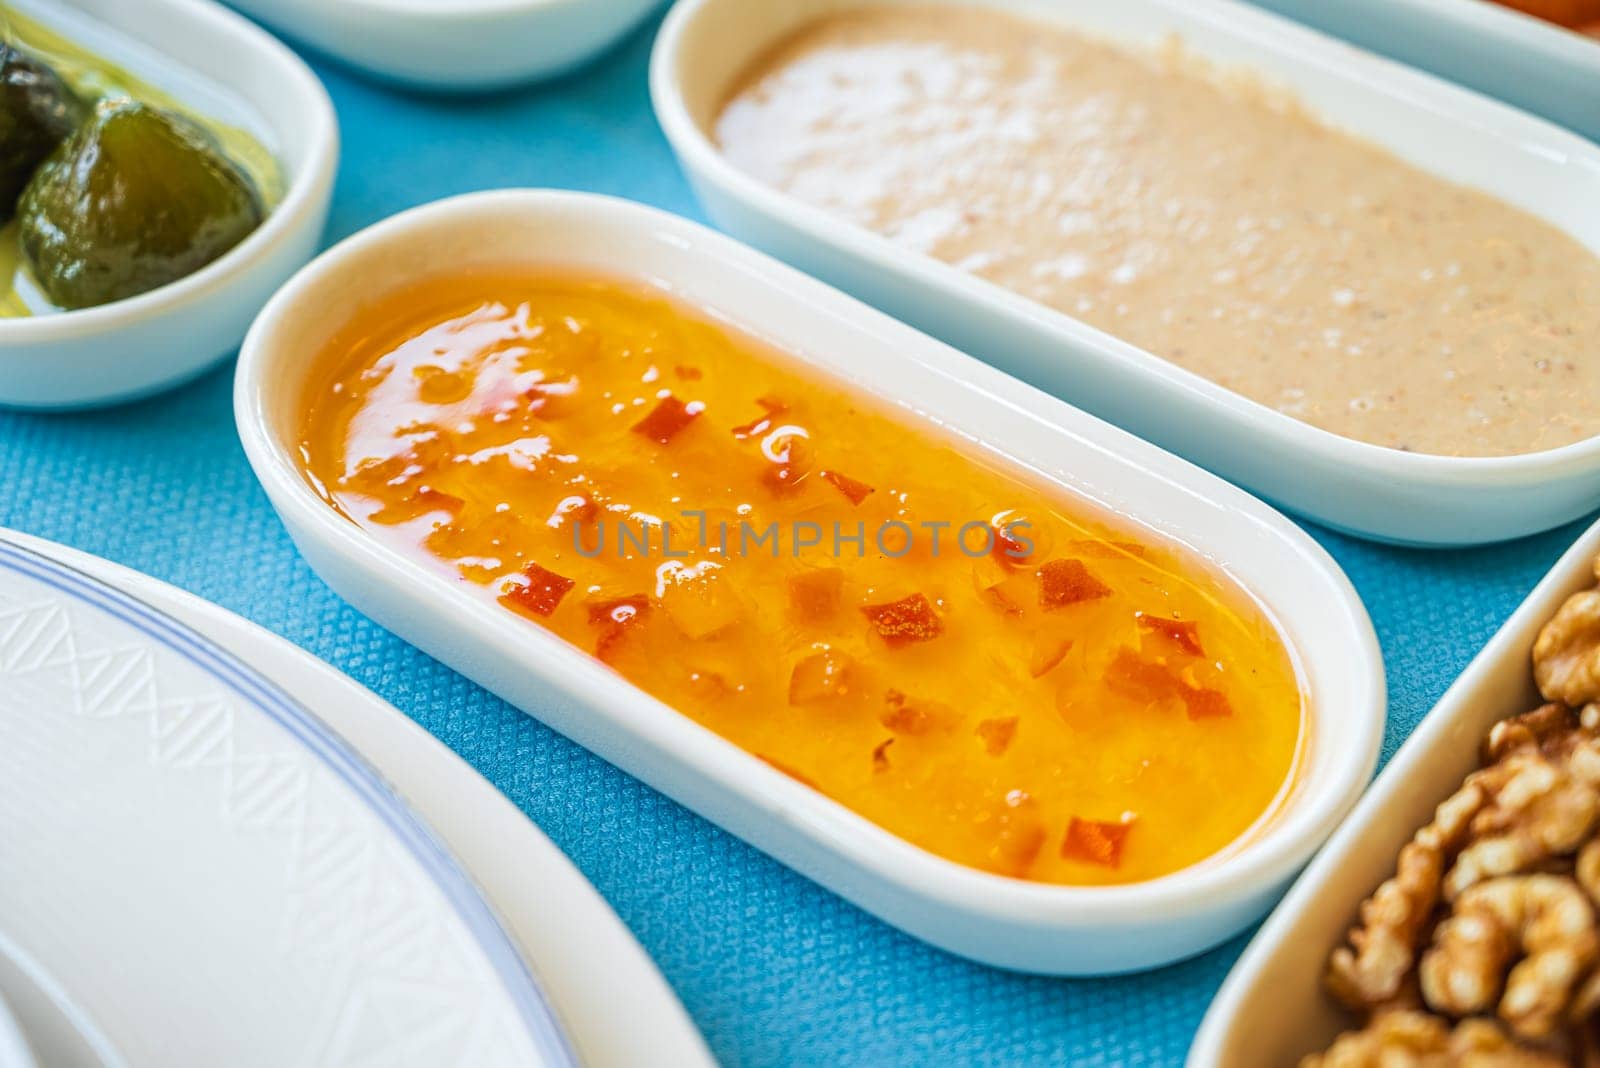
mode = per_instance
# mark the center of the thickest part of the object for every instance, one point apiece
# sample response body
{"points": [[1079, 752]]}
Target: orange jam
{"points": [[1031, 688]]}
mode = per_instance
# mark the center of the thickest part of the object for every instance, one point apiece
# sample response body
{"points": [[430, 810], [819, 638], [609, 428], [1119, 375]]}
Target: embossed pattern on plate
{"points": [[210, 875]]}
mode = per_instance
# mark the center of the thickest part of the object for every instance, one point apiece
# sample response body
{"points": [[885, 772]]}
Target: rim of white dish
{"points": [[1299, 826], [15, 1051], [449, 9], [349, 767], [1282, 431], [1550, 39], [320, 131]]}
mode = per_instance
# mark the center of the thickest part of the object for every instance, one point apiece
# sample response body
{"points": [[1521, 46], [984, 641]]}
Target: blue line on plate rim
{"points": [[336, 754]]}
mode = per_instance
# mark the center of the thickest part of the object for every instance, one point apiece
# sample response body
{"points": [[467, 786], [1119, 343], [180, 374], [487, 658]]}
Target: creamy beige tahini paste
{"points": [[1200, 217]]}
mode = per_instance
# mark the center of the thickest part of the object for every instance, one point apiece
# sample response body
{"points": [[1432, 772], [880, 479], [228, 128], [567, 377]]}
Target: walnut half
{"points": [[1545, 920], [1566, 655], [1412, 1039]]}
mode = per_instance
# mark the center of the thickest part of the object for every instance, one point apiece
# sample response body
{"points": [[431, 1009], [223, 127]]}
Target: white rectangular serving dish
{"points": [[227, 69], [1272, 1009], [1030, 926], [1547, 69], [456, 44], [1365, 489]]}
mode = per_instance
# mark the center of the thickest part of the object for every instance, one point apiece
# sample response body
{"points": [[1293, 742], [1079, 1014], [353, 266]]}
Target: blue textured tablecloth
{"points": [[773, 968]]}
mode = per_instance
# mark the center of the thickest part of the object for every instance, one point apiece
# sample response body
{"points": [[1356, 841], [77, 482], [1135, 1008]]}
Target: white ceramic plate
{"points": [[15, 1051], [588, 963], [1272, 1009], [1003, 921], [1522, 60], [197, 871], [1365, 489], [456, 44], [226, 68]]}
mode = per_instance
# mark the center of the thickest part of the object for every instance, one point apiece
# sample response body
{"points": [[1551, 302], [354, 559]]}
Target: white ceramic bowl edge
{"points": [[1495, 49], [134, 347], [470, 45]]}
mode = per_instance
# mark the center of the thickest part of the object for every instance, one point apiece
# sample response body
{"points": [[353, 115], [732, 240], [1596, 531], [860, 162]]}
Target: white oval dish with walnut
{"points": [[1480, 848]]}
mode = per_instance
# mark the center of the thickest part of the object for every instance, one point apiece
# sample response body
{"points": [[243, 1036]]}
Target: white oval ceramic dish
{"points": [[1272, 1008], [1365, 489], [587, 962], [163, 803], [147, 343], [456, 44], [1547, 69], [1001, 921]]}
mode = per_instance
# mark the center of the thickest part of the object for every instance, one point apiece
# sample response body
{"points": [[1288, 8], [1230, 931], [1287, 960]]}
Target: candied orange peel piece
{"points": [[614, 616], [1063, 583], [910, 619], [421, 501], [822, 676], [540, 595], [997, 734], [771, 408], [668, 419], [795, 459], [1132, 676], [814, 595], [1015, 538], [1201, 702], [854, 490], [618, 611], [1185, 634], [1019, 833], [1139, 679], [1096, 841], [905, 716]]}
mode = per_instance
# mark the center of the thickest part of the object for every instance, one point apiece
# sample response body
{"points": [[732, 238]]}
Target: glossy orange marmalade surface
{"points": [[1044, 694]]}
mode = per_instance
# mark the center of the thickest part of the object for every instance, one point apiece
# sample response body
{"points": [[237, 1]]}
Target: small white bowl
{"points": [[1537, 65], [1272, 1009], [1361, 488], [130, 348], [456, 44], [1034, 927]]}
